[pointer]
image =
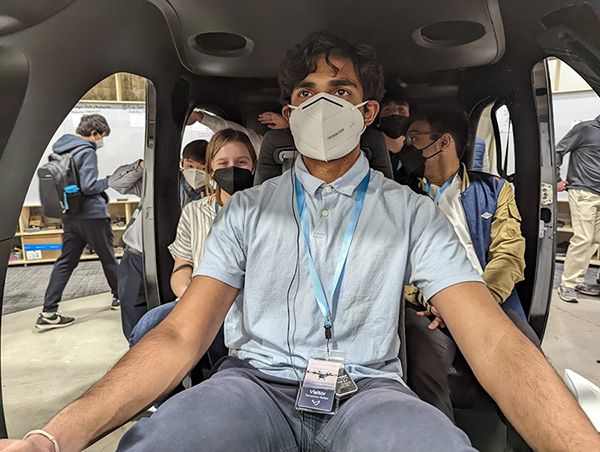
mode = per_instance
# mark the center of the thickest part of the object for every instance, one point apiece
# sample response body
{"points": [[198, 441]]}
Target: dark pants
{"points": [[98, 234], [431, 354], [132, 292], [242, 409]]}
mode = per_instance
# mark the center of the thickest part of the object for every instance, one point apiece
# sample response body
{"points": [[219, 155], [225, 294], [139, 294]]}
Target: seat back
{"points": [[278, 153]]}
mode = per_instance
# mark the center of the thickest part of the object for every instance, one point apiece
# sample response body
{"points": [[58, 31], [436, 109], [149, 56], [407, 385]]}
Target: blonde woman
{"points": [[230, 165]]}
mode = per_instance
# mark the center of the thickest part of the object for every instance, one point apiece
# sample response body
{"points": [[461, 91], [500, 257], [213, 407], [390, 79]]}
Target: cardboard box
{"points": [[43, 246]]}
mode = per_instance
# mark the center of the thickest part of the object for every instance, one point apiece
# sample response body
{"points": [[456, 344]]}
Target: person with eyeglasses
{"points": [[483, 212]]}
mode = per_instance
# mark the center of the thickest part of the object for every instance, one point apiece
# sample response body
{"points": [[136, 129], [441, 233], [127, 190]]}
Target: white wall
{"points": [[569, 109], [125, 144]]}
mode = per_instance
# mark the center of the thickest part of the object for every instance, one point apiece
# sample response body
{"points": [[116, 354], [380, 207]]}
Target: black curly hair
{"points": [[302, 60]]}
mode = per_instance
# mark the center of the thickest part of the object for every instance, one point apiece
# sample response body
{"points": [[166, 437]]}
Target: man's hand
{"points": [[141, 163], [195, 116], [438, 321], [273, 120], [562, 185], [35, 443]]}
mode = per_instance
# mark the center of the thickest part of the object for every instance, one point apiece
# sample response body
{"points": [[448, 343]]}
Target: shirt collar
{"points": [[462, 174], [346, 184], [456, 179]]}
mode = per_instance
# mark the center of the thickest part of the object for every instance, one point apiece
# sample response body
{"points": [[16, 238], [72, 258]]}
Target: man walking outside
{"points": [[583, 184], [90, 225]]}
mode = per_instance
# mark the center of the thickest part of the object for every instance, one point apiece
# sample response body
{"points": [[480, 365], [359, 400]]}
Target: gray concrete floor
{"points": [[42, 372], [572, 339]]}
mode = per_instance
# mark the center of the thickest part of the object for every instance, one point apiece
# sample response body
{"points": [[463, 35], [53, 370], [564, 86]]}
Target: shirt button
{"points": [[325, 212], [328, 189]]}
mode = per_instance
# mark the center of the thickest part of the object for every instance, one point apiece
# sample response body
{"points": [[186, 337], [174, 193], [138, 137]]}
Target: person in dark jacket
{"points": [[90, 225], [482, 209], [583, 184]]}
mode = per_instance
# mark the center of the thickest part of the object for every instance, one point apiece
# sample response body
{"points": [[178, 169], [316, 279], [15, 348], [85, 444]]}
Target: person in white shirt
{"points": [[215, 123], [230, 164]]}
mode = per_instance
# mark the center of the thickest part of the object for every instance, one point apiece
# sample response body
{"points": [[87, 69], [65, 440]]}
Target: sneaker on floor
{"points": [[56, 320], [588, 289], [116, 304], [567, 294]]}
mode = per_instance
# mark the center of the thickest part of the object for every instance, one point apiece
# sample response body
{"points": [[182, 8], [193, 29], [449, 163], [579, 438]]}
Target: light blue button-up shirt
{"points": [[256, 244]]}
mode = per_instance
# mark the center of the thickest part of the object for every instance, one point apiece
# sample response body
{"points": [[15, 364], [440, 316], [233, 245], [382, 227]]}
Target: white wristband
{"points": [[51, 438]]}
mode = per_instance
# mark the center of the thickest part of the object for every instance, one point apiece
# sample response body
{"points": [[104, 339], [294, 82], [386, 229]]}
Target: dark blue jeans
{"points": [[242, 409], [98, 234], [153, 317], [149, 320]]}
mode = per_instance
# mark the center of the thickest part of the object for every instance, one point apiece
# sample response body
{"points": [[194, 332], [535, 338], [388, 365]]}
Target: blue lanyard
{"points": [[341, 264], [216, 207], [442, 188]]}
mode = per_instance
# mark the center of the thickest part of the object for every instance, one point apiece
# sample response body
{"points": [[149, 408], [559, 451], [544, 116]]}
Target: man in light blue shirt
{"points": [[257, 245], [254, 246]]}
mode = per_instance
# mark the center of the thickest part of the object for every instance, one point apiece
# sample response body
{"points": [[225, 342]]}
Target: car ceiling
{"points": [[410, 36]]}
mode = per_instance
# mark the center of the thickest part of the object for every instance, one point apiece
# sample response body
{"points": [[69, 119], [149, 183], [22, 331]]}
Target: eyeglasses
{"points": [[410, 136]]}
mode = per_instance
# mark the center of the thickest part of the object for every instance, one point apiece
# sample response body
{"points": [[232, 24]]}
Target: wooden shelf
{"points": [[119, 210], [58, 231], [595, 262], [42, 232], [84, 257]]}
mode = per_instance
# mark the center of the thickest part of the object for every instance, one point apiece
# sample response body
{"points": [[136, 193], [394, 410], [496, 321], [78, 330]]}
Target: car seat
{"points": [[278, 153]]}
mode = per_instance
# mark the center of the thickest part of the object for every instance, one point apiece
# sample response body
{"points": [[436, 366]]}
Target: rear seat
{"points": [[277, 154]]}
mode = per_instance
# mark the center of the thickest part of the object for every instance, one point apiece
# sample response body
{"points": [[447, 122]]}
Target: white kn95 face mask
{"points": [[195, 177], [326, 127]]}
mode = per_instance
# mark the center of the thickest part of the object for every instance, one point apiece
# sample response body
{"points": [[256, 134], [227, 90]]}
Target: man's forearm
{"points": [[529, 392], [514, 372], [135, 382]]}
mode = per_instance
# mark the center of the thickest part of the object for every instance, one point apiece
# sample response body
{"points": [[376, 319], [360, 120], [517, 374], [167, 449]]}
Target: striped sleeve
{"points": [[182, 246]]}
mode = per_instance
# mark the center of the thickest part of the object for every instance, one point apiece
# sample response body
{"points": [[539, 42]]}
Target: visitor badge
{"points": [[317, 393]]}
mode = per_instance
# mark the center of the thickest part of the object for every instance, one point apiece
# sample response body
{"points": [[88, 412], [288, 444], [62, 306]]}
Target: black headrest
{"points": [[277, 153]]}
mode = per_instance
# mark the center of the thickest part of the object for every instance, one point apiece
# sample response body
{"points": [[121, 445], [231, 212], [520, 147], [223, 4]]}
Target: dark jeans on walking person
{"points": [[132, 292], [98, 234]]}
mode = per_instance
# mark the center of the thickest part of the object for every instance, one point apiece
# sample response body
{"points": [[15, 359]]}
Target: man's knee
{"points": [[230, 412], [386, 420]]}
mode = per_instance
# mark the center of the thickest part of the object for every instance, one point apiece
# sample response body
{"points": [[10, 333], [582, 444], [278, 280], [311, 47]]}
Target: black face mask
{"points": [[234, 179], [393, 126], [413, 160]]}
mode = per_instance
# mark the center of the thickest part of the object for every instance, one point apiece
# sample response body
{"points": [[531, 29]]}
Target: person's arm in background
{"points": [[506, 265], [181, 277], [215, 123], [273, 120], [128, 179], [569, 143], [514, 372], [88, 174], [181, 250]]}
